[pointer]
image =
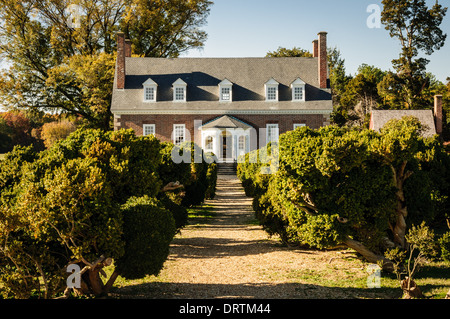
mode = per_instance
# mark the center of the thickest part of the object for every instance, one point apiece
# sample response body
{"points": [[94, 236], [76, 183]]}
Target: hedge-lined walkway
{"points": [[230, 256]]}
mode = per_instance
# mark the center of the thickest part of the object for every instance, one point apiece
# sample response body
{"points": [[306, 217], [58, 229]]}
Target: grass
{"points": [[200, 214]]}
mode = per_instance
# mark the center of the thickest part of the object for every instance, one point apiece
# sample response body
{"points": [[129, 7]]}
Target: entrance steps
{"points": [[226, 169]]}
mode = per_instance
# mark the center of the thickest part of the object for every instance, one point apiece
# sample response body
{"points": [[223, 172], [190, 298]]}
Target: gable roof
{"points": [[203, 76], [226, 122], [380, 117]]}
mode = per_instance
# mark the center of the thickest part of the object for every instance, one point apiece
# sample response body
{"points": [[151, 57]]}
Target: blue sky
{"points": [[251, 28]]}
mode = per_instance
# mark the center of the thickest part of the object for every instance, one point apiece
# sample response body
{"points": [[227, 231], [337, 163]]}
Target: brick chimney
{"points": [[120, 62], [127, 48], [316, 48], [438, 113], [323, 61]]}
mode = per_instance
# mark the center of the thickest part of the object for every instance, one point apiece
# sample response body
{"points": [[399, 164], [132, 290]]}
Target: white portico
{"points": [[227, 137]]}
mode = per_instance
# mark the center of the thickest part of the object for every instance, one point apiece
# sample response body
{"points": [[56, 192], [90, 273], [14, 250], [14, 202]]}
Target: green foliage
{"points": [[417, 27], [147, 232], [72, 202], [284, 52], [336, 183], [165, 28], [200, 183], [53, 66], [444, 244]]}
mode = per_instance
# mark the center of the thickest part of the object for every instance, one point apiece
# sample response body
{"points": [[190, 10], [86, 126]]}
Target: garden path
{"points": [[230, 256]]}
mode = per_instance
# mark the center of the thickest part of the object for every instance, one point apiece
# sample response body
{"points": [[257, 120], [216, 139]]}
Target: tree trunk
{"points": [[410, 289], [399, 230], [369, 255], [111, 281]]}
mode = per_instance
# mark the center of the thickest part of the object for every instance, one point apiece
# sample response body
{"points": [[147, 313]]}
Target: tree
{"points": [[341, 185], [421, 246], [361, 96], [284, 52], [68, 206], [60, 66], [53, 132], [417, 27], [165, 28]]}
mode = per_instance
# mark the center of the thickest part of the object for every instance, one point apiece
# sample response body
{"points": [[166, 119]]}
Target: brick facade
{"points": [[164, 123]]}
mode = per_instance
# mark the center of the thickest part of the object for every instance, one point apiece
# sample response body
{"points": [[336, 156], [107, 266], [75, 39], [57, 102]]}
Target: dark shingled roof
{"points": [[426, 117], [203, 76]]}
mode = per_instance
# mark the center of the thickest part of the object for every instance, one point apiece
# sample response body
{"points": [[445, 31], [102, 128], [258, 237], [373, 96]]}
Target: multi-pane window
{"points": [[149, 129], [179, 131], [226, 94], [271, 93], [272, 133], [179, 94], [149, 93], [241, 143], [209, 143], [298, 93]]}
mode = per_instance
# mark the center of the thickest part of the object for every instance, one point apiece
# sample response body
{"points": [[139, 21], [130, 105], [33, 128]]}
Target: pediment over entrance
{"points": [[224, 122]]}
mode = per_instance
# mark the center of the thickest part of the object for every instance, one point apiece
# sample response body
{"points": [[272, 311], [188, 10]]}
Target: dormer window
{"points": [[272, 90], [225, 91], [179, 91], [298, 90], [150, 89]]}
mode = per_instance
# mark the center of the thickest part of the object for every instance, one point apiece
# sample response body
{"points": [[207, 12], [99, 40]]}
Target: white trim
{"points": [[270, 85], [221, 112], [225, 85], [175, 131], [150, 84], [178, 85], [298, 84], [269, 127], [152, 127]]}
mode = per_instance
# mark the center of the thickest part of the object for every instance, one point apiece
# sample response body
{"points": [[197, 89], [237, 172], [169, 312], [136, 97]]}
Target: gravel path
{"points": [[228, 256]]}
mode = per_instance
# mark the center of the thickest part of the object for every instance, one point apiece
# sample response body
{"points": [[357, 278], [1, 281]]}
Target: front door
{"points": [[227, 144]]}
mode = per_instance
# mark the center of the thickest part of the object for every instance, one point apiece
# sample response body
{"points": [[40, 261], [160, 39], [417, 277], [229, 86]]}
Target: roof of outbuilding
{"points": [[426, 117], [203, 76]]}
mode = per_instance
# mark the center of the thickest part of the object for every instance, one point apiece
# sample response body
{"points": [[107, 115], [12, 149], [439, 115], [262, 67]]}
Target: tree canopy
{"points": [[360, 188], [61, 58]]}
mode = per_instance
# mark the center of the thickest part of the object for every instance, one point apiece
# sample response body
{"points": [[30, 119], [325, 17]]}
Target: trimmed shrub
{"points": [[148, 229]]}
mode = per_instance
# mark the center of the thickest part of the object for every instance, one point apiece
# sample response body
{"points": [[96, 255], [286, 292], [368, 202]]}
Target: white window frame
{"points": [[296, 125], [177, 128], [298, 84], [149, 94], [225, 86], [179, 85], [271, 86], [150, 85], [241, 143], [209, 147], [269, 128], [148, 127]]}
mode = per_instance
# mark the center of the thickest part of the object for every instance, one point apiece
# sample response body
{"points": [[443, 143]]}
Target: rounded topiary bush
{"points": [[148, 229]]}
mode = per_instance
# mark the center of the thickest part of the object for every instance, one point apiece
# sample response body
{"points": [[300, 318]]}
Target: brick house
{"points": [[228, 106]]}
